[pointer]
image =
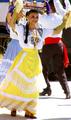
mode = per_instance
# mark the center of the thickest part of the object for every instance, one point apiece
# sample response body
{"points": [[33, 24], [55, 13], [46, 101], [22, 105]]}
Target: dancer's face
{"points": [[32, 18]]}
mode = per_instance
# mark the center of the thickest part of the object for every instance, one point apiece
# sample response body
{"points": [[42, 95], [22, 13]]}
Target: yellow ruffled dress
{"points": [[20, 89]]}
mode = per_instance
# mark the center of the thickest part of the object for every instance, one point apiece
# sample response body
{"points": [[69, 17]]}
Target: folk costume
{"points": [[53, 52], [20, 88]]}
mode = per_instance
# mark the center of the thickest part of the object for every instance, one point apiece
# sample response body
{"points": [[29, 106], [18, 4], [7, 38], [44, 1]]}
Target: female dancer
{"points": [[20, 90]]}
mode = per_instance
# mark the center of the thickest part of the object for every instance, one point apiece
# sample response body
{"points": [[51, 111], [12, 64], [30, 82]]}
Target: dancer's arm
{"points": [[68, 5], [18, 7], [59, 8]]}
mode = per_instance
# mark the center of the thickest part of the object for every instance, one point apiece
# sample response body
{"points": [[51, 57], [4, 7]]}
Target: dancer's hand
{"points": [[67, 20], [56, 31]]}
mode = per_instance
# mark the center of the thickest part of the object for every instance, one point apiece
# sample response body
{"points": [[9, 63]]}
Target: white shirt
{"points": [[30, 41], [13, 35], [49, 23]]}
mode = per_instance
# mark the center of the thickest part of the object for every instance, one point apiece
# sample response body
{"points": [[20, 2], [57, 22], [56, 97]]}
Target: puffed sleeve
{"points": [[59, 8]]}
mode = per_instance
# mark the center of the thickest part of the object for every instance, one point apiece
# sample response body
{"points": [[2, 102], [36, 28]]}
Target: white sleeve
{"points": [[13, 35], [21, 37], [59, 8], [68, 5]]}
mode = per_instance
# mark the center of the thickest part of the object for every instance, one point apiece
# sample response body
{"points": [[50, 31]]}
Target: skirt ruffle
{"points": [[20, 89]]}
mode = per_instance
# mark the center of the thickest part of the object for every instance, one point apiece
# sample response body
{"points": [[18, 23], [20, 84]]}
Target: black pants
{"points": [[52, 60]]}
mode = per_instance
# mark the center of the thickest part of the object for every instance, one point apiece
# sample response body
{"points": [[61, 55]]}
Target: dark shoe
{"points": [[68, 96], [13, 113], [30, 116], [46, 91]]}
